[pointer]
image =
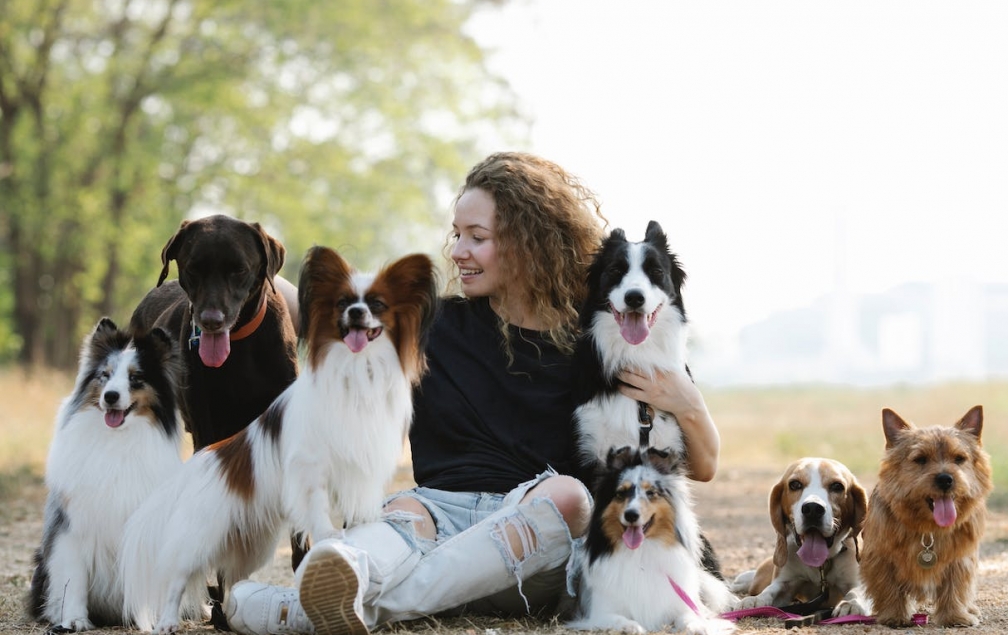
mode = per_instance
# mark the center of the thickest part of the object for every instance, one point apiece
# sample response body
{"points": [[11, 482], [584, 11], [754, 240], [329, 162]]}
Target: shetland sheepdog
{"points": [[633, 317], [327, 446], [640, 566], [116, 438]]}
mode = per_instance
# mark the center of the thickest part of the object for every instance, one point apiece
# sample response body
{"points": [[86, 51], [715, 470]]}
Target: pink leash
{"points": [[919, 619]]}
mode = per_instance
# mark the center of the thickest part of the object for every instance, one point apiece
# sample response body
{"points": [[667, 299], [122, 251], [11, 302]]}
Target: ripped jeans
{"points": [[470, 566]]}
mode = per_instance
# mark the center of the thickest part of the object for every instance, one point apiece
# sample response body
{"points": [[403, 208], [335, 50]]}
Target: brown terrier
{"points": [[925, 520]]}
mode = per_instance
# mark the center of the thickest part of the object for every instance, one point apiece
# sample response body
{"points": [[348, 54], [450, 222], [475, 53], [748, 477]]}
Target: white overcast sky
{"points": [[778, 143]]}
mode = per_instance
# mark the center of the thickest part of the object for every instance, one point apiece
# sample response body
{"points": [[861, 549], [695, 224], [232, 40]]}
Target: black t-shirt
{"points": [[480, 425]]}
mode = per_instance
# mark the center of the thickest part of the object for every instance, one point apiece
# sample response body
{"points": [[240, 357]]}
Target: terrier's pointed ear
{"points": [[972, 422], [893, 426]]}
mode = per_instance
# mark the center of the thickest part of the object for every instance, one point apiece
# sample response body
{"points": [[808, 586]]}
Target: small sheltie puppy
{"points": [[925, 520], [633, 318], [640, 567], [328, 445], [116, 438]]}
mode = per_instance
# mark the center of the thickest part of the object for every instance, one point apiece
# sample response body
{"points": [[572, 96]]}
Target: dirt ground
{"points": [[732, 510]]}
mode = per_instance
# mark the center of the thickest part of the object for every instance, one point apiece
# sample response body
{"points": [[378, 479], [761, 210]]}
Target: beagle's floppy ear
{"points": [[779, 520], [855, 511]]}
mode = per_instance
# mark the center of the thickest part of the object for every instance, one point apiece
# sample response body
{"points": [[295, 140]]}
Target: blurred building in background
{"points": [[912, 333]]}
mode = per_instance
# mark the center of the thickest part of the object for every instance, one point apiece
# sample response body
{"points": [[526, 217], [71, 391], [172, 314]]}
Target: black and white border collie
{"points": [[318, 459], [633, 317], [640, 567], [116, 438]]}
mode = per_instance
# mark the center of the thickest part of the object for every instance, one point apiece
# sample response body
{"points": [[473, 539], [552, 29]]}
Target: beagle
{"points": [[817, 509]]}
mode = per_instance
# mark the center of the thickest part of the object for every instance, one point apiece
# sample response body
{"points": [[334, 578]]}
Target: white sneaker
{"points": [[254, 608], [330, 592]]}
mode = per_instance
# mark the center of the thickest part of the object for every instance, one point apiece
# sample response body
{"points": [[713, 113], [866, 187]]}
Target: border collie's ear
{"points": [[105, 324], [619, 458], [656, 236], [170, 251]]}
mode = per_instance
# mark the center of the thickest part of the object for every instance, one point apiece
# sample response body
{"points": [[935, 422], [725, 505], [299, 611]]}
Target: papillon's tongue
{"points": [[356, 339], [633, 537], [634, 328], [944, 512], [813, 551], [114, 418], [214, 348]]}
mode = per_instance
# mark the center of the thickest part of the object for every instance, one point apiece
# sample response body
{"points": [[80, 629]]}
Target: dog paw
{"points": [[850, 607], [963, 619], [752, 602], [77, 624]]}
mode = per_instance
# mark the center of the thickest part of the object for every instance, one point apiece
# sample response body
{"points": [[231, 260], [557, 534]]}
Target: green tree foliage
{"points": [[344, 123]]}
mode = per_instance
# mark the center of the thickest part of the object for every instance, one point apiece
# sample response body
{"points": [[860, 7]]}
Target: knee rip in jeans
{"points": [[405, 523], [519, 538]]}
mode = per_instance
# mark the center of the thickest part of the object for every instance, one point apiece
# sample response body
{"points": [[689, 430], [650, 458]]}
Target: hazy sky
{"points": [[778, 143]]}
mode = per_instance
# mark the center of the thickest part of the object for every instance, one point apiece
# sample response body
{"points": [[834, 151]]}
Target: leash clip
{"points": [[194, 335], [646, 423]]}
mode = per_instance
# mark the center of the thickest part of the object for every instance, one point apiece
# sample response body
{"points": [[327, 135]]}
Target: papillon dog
{"points": [[633, 317], [318, 459], [116, 438], [640, 568]]}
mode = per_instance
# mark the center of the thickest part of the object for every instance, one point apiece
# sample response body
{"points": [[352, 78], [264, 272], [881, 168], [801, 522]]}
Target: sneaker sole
{"points": [[328, 590]]}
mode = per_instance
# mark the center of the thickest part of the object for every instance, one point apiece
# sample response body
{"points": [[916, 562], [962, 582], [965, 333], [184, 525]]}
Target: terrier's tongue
{"points": [[114, 418], [214, 348], [944, 512], [633, 537], [634, 328], [813, 551], [356, 339]]}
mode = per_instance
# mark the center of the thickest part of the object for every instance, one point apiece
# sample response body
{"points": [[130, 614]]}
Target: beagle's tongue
{"points": [[114, 418], [944, 512], [214, 348], [356, 339], [633, 537], [813, 551], [634, 328]]}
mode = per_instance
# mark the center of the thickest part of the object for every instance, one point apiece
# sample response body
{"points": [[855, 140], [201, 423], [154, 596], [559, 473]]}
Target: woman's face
{"points": [[475, 250]]}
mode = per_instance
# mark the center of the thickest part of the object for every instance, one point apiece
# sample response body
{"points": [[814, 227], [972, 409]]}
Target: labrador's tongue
{"points": [[214, 348], [356, 339], [944, 512], [813, 551], [634, 328], [633, 536], [114, 418]]}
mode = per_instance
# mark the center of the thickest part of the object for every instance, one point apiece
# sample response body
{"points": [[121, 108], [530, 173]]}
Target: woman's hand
{"points": [[674, 392]]}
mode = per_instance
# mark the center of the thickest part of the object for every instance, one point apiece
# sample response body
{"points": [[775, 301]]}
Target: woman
{"points": [[491, 524]]}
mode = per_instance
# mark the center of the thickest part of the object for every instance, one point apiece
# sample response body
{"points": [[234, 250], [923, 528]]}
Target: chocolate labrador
{"points": [[233, 326]]}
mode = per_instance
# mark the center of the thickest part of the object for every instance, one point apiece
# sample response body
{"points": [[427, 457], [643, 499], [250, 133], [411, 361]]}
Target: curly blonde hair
{"points": [[548, 227]]}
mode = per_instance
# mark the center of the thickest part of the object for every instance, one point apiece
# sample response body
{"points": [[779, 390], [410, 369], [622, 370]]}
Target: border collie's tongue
{"points": [[813, 551], [214, 348], [944, 512], [356, 339], [633, 537], [114, 418], [634, 328]]}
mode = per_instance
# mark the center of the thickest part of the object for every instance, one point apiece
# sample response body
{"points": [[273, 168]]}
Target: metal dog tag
{"points": [[927, 559]]}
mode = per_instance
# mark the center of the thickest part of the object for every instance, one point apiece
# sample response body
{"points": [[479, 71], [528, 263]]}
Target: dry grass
{"points": [[762, 430]]}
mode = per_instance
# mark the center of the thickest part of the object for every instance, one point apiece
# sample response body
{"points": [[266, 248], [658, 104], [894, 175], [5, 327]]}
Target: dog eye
{"points": [[652, 494], [794, 485], [136, 381], [342, 304], [921, 460], [837, 487], [376, 305], [960, 459]]}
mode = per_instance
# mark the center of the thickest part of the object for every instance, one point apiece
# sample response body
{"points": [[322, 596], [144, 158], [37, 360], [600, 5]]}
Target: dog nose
{"points": [[634, 299], [813, 511], [112, 397], [356, 313], [944, 481], [631, 515], [212, 319]]}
